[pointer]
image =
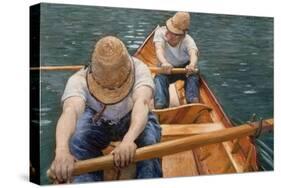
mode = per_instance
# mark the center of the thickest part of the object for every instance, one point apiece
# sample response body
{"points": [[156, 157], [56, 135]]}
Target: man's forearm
{"points": [[65, 128], [161, 58], [193, 61], [139, 120], [160, 54], [193, 58]]}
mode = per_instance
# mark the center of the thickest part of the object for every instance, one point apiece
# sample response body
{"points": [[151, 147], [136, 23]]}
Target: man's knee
{"points": [[84, 144], [192, 89], [151, 135], [193, 100], [149, 169], [161, 77], [161, 80], [149, 140], [161, 105]]}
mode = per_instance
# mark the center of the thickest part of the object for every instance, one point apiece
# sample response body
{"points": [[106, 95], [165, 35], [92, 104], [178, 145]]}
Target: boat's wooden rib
{"points": [[189, 113]]}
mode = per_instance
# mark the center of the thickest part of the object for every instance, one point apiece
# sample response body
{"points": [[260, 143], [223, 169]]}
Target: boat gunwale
{"points": [[216, 102]]}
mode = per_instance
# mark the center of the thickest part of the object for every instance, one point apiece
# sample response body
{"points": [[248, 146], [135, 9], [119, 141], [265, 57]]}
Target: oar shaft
{"points": [[173, 71], [78, 67], [169, 147], [58, 68]]}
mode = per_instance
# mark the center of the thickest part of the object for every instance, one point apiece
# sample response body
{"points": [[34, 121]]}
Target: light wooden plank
{"points": [[189, 129], [187, 165]]}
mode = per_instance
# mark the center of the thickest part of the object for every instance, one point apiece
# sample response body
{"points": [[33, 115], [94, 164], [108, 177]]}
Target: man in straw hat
{"points": [[105, 102], [175, 48]]}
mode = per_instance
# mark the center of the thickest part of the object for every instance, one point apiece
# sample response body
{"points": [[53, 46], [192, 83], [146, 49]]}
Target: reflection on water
{"points": [[236, 58]]}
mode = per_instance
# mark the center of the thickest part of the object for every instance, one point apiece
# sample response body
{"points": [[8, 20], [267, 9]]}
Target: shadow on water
{"points": [[236, 59]]}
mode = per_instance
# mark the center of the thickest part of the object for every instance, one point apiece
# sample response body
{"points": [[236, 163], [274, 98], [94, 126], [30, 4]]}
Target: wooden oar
{"points": [[78, 67], [174, 146], [173, 71], [58, 68]]}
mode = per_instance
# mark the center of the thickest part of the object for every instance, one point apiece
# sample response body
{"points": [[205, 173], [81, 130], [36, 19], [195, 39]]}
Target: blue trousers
{"points": [[162, 82], [90, 138]]}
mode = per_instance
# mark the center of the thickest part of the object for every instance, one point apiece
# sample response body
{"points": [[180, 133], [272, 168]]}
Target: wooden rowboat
{"points": [[233, 156], [197, 139]]}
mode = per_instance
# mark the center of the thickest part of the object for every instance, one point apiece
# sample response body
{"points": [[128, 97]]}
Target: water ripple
{"points": [[45, 109], [224, 84], [97, 33], [129, 36], [140, 37], [45, 122], [242, 70], [138, 42], [243, 64], [134, 46], [252, 91], [248, 85], [144, 23]]}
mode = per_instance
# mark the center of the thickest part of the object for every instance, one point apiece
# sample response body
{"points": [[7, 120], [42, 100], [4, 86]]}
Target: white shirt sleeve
{"points": [[159, 35], [142, 75], [189, 43], [76, 86]]}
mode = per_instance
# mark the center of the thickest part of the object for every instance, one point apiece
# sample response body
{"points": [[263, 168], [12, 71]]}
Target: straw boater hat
{"points": [[179, 23], [111, 74]]}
